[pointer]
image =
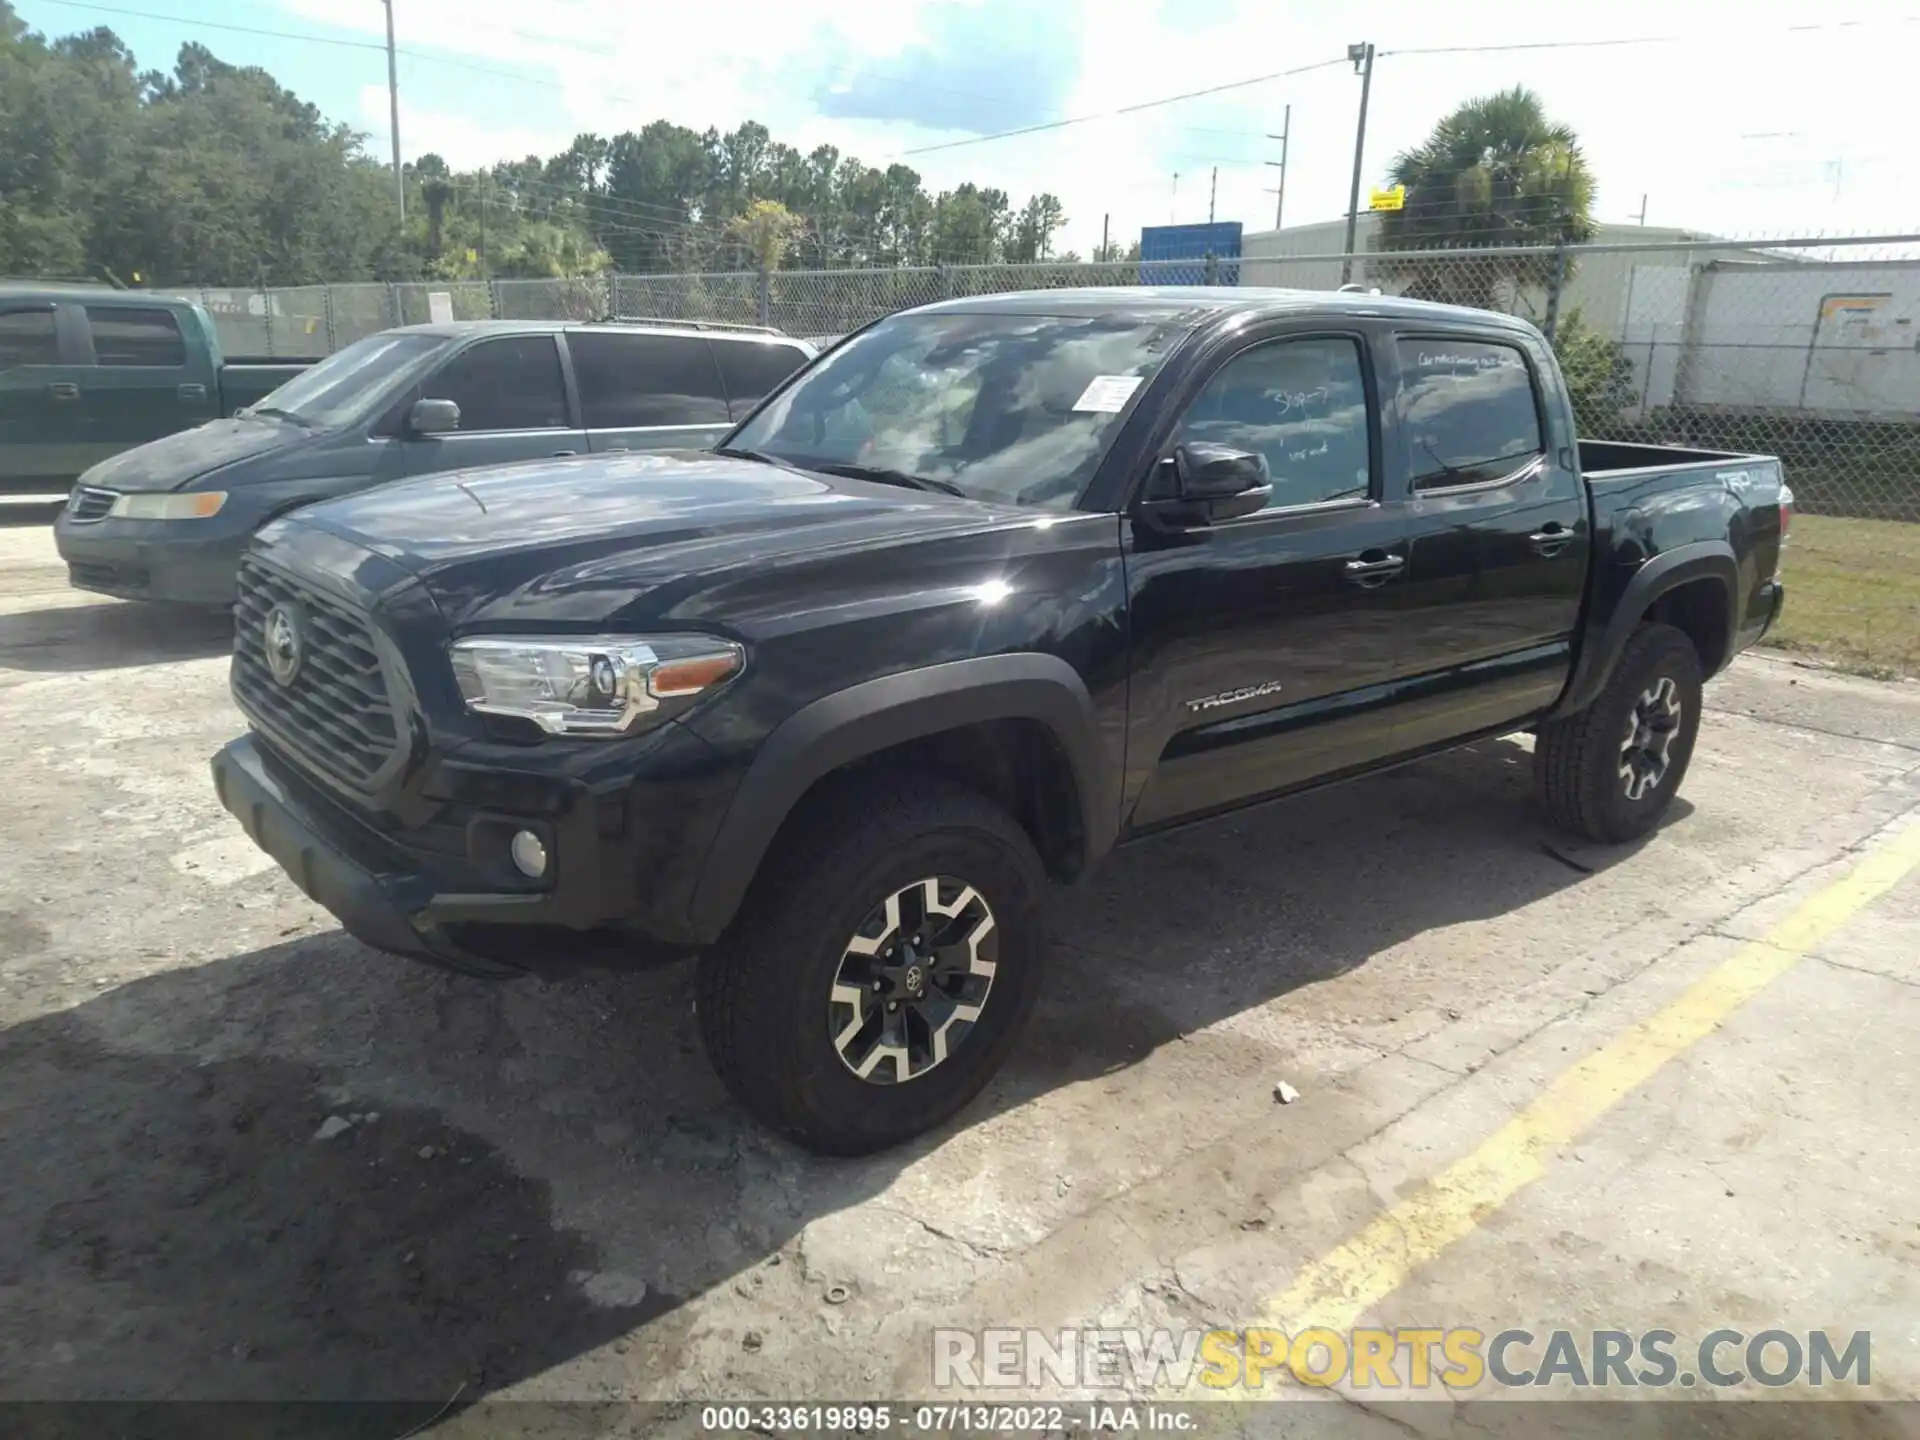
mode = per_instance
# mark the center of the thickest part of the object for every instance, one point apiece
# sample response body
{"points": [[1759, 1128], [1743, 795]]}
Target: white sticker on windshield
{"points": [[1108, 393]]}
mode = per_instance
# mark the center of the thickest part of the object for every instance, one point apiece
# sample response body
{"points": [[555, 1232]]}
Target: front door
{"points": [[1500, 537], [513, 406], [1265, 648]]}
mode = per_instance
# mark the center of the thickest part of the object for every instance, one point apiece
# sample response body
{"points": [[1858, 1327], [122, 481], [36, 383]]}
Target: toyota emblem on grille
{"points": [[285, 645]]}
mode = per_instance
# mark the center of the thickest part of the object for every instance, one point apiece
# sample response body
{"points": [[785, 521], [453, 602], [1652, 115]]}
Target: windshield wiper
{"points": [[736, 452], [887, 476], [277, 413]]}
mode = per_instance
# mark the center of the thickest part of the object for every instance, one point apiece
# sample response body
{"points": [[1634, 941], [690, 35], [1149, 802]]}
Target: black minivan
{"points": [[168, 520]]}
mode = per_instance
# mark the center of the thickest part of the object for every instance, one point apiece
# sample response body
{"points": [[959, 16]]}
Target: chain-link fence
{"points": [[1806, 349]]}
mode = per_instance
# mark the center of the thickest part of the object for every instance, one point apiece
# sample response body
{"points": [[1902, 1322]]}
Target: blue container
{"points": [[1178, 254]]}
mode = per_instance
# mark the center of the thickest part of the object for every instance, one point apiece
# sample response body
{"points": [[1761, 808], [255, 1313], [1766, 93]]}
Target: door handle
{"points": [[1370, 573], [63, 390], [557, 454], [1551, 540], [192, 393]]}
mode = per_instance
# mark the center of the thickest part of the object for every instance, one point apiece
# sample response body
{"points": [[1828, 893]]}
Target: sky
{"points": [[1749, 121]]}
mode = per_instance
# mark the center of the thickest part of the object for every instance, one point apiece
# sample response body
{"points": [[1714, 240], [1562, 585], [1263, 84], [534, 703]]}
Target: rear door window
{"points": [[637, 382], [512, 383], [754, 369], [1469, 410], [28, 337], [129, 335]]}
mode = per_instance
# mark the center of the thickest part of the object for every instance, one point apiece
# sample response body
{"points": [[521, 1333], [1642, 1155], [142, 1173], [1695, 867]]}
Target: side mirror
{"points": [[433, 417], [1202, 483]]}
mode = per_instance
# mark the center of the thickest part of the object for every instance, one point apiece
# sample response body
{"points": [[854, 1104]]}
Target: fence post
{"points": [[393, 304], [326, 309], [1556, 286], [1213, 268], [763, 294], [945, 281], [266, 311]]}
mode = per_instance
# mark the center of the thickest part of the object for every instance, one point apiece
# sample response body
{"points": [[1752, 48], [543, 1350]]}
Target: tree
{"points": [[1034, 229], [216, 174], [1598, 373], [1497, 171], [765, 228]]}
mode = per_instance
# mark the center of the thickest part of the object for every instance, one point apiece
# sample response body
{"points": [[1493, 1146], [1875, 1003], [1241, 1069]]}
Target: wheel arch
{"points": [[937, 710], [1692, 587]]}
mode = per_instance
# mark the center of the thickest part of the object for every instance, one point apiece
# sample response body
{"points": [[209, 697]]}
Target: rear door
{"points": [[1265, 649], [752, 368], [642, 391], [1499, 528], [146, 380], [513, 401], [39, 401]]}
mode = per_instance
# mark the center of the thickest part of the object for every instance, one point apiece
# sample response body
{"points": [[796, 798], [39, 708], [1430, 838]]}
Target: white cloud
{"points": [[1743, 127]]}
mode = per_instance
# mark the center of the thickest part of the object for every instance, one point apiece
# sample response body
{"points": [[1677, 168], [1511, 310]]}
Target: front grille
{"points": [[89, 502], [335, 718]]}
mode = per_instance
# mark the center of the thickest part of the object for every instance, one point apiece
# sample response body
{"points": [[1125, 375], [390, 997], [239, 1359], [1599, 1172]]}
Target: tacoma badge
{"points": [[1234, 697]]}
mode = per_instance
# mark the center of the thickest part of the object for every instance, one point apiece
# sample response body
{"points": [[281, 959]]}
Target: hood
{"points": [[170, 462], [580, 539]]}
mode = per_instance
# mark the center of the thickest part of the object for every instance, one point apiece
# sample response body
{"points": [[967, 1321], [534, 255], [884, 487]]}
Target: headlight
{"points": [[194, 505], [591, 684]]}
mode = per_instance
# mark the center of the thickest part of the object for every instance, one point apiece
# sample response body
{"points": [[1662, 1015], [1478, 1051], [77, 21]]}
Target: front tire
{"points": [[882, 967], [1610, 772]]}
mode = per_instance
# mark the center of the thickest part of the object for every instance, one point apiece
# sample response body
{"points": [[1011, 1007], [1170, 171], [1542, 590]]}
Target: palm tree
{"points": [[1497, 171]]}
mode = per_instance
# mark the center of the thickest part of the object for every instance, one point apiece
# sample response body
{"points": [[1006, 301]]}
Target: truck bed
{"points": [[1603, 459]]}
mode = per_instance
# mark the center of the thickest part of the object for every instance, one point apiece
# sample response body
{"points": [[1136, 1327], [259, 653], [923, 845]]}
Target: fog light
{"points": [[529, 855]]}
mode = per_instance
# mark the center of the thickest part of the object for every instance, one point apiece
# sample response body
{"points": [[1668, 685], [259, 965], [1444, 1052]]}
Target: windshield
{"points": [[1013, 408], [345, 383]]}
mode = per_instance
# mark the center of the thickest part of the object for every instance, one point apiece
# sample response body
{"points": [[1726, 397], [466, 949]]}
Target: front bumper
{"points": [[185, 562], [624, 856], [394, 899]]}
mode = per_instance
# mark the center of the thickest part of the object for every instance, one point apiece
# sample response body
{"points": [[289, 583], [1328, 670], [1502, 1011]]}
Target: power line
{"points": [[1123, 110]]}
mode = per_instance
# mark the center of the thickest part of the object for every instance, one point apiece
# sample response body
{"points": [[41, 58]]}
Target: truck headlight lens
{"points": [[591, 684], [194, 505]]}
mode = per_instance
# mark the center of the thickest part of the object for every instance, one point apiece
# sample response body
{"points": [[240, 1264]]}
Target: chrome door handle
{"points": [[63, 390], [1363, 568], [1551, 541]]}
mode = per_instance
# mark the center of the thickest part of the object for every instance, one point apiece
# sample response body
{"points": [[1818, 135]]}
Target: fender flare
{"points": [[865, 719], [1605, 637]]}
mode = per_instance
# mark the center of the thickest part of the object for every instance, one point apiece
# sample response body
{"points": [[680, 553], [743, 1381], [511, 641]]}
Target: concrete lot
{"points": [[543, 1192]]}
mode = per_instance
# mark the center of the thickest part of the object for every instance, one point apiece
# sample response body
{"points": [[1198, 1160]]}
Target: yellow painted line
{"points": [[1337, 1289]]}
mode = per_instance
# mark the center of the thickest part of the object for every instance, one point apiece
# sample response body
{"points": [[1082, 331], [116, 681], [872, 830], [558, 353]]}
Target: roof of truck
{"points": [[453, 328], [1196, 303]]}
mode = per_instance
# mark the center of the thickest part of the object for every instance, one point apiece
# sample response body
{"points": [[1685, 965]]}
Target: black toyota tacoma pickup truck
{"points": [[990, 588]]}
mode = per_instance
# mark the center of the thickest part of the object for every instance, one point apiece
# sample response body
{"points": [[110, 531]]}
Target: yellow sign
{"points": [[1393, 199]]}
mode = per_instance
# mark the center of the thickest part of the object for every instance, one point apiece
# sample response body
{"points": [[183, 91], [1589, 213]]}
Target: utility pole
{"points": [[1173, 206], [1106, 251], [393, 106], [1362, 57], [1213, 193], [1643, 208], [1280, 204]]}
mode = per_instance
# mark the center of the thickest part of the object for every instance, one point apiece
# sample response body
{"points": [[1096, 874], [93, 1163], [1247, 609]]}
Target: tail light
{"points": [[1786, 525]]}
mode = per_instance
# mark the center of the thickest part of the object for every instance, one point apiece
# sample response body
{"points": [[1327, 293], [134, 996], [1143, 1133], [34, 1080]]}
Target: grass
{"points": [[1853, 595]]}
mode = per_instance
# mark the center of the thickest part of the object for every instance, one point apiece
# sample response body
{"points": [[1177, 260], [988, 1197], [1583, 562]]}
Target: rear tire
{"points": [[1609, 772], [843, 958]]}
